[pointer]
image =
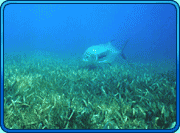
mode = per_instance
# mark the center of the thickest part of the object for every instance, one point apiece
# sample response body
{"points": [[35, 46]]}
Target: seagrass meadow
{"points": [[52, 93]]}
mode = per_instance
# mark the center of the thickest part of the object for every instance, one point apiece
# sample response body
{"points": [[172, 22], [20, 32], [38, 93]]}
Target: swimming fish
{"points": [[102, 53]]}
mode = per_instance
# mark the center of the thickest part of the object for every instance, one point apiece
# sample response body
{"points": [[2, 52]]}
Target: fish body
{"points": [[102, 53]]}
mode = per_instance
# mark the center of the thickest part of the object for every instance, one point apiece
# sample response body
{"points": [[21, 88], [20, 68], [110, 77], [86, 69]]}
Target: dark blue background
{"points": [[69, 29]]}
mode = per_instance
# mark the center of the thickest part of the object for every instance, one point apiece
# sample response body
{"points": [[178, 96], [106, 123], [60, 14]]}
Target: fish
{"points": [[103, 53]]}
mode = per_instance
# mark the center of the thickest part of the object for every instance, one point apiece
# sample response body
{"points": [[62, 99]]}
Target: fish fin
{"points": [[123, 56], [104, 61], [125, 45]]}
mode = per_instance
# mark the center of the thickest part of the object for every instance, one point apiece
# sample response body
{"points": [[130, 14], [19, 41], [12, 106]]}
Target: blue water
{"points": [[67, 30]]}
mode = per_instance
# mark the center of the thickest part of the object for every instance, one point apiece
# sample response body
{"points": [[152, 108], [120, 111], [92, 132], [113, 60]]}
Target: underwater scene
{"points": [[90, 66]]}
